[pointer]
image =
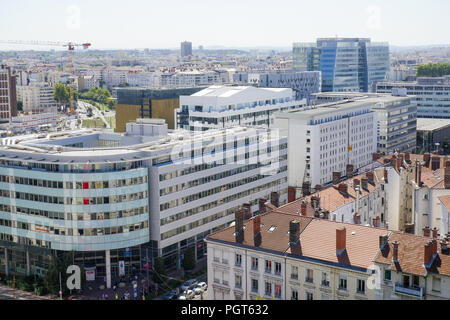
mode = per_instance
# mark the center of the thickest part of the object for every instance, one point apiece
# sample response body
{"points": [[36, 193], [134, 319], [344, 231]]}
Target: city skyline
{"points": [[246, 25]]}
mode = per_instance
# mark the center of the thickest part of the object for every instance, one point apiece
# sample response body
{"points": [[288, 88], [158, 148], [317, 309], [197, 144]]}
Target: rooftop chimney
{"points": [[349, 170], [318, 187], [370, 176], [444, 246], [262, 205], [426, 159], [435, 233], [357, 218], [365, 184], [395, 251], [315, 202], [426, 232], [306, 188], [447, 176], [376, 222], [407, 158], [435, 163], [383, 241], [376, 156], [336, 177], [274, 198], [355, 183], [303, 208], [239, 225], [294, 232], [340, 240], [401, 157], [247, 210], [418, 173], [257, 230], [343, 188], [291, 194], [428, 253]]}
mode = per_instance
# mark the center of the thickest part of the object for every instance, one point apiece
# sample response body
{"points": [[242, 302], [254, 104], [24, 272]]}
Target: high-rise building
{"points": [[186, 49], [347, 64], [37, 97], [8, 98]]}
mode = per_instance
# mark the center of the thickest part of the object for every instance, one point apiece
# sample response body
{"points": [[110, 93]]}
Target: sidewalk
{"points": [[7, 293]]}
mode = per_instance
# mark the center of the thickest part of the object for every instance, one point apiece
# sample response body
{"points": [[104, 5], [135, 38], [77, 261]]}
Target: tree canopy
{"points": [[433, 69]]}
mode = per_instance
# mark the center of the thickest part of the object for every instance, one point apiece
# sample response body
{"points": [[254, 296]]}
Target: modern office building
{"points": [[303, 83], [141, 102], [432, 133], [186, 49], [37, 98], [218, 107], [8, 98], [111, 197], [430, 94], [26, 123], [334, 137], [347, 64], [396, 117]]}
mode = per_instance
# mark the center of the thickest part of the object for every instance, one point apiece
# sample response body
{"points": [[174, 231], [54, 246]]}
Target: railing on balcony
{"points": [[411, 291]]}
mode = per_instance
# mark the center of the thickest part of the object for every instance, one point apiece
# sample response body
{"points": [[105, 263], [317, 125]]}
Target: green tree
{"points": [[61, 93], [433, 69], [51, 279], [19, 106], [159, 271], [189, 259]]}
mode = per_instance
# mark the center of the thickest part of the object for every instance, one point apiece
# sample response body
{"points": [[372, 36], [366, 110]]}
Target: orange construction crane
{"points": [[70, 46]]}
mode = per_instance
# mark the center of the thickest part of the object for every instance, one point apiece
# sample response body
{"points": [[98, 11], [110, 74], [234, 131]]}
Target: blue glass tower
{"points": [[347, 64]]}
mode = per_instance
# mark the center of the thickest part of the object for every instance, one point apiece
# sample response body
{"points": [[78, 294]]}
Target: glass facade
{"points": [[347, 64]]}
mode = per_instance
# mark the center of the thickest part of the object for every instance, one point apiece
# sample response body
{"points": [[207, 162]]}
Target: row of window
{"points": [[73, 168], [73, 185], [210, 192]]}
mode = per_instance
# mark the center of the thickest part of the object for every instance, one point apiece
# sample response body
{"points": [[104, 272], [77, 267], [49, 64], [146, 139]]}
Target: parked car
{"points": [[186, 295], [170, 296], [190, 284], [200, 288]]}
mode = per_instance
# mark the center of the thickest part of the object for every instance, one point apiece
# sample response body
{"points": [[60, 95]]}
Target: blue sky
{"points": [[231, 23]]}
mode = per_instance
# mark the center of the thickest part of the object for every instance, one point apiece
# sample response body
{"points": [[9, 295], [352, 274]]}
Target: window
{"points": [[325, 281], [238, 261], [309, 296], [278, 291], [294, 294], [416, 281], [361, 286], [268, 266], [309, 275], [268, 291], [436, 284], [387, 275], [238, 281], [254, 263], [342, 282], [254, 285], [294, 272], [277, 268]]}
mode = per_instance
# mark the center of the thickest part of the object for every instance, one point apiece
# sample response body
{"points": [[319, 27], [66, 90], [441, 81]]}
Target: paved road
{"points": [[95, 111], [7, 293]]}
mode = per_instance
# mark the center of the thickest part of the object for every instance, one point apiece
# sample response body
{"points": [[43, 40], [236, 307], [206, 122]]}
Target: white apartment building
{"points": [[327, 138], [218, 107], [144, 79], [37, 97], [193, 78]]}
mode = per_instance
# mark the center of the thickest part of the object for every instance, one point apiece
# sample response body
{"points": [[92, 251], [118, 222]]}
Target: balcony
{"points": [[409, 291]]}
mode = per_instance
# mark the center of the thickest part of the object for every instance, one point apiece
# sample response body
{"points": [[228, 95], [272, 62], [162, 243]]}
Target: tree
{"points": [[51, 280], [61, 93], [159, 271], [189, 259], [433, 69]]}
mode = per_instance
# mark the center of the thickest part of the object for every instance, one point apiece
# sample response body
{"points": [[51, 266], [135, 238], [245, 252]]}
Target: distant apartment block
{"points": [[347, 64], [303, 83], [8, 98], [219, 107], [37, 97], [193, 78], [431, 94]]}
